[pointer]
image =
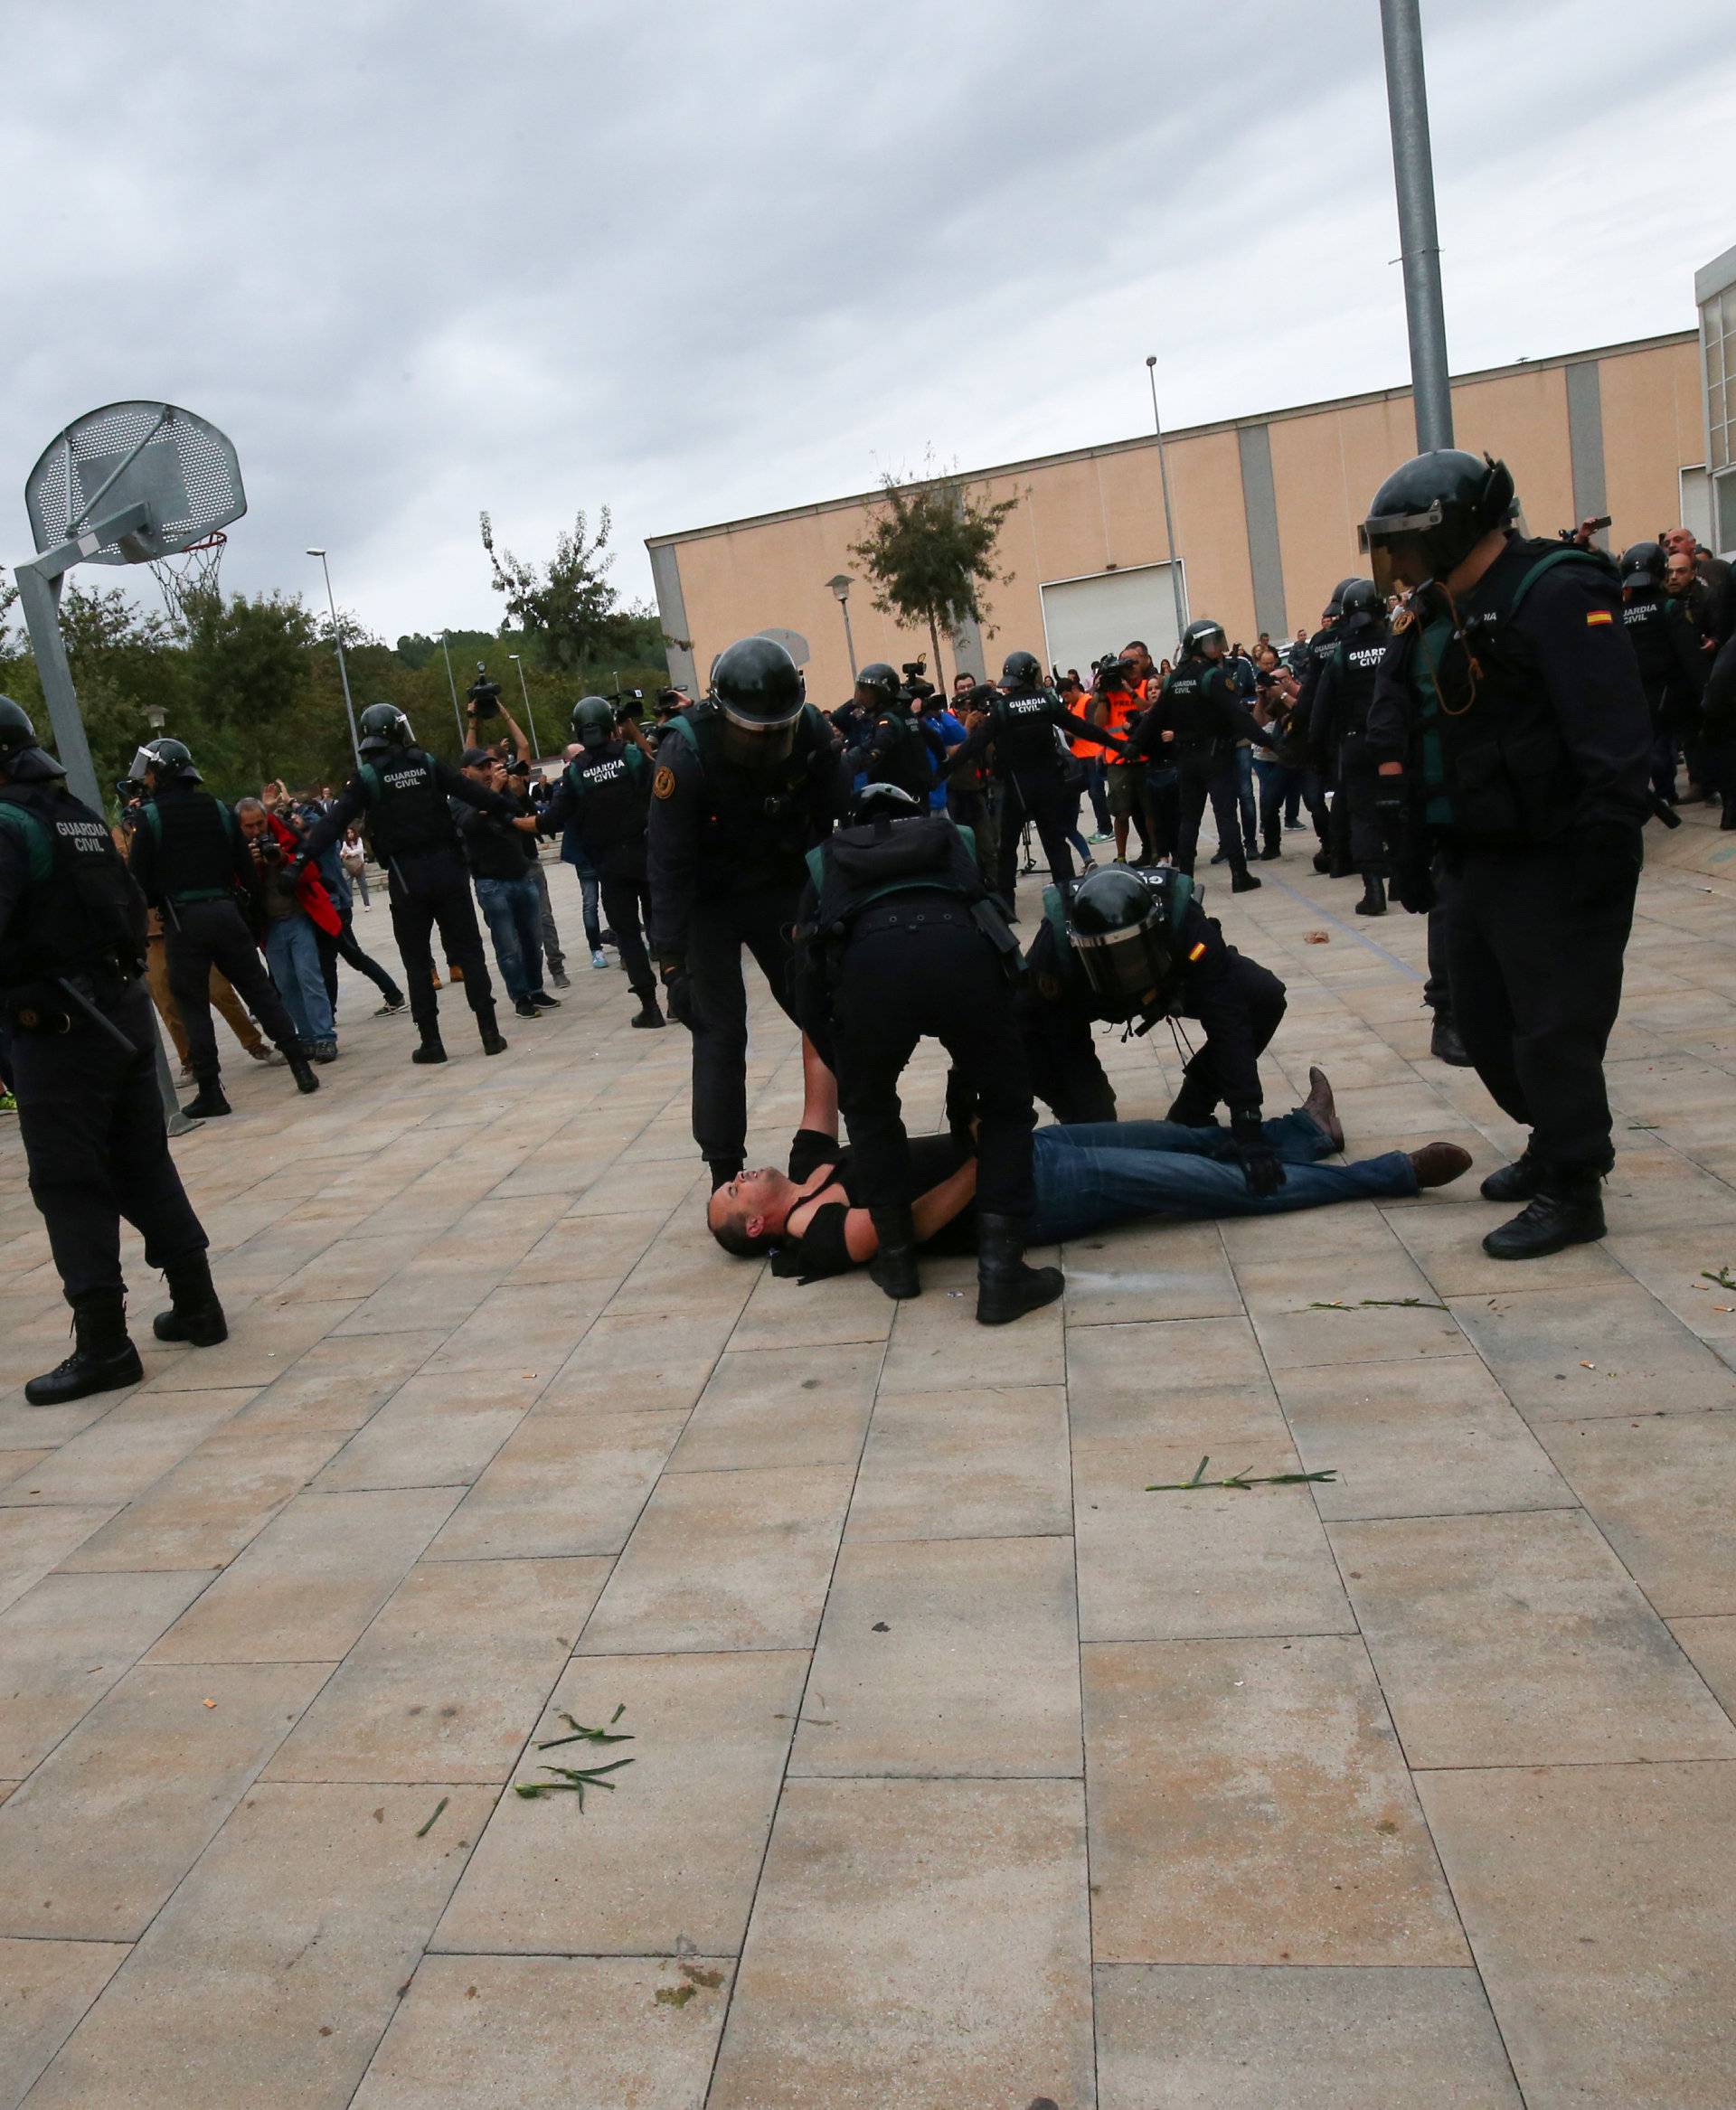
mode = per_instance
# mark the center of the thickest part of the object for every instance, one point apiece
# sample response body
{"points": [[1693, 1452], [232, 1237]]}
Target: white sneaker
{"points": [[598, 959]]}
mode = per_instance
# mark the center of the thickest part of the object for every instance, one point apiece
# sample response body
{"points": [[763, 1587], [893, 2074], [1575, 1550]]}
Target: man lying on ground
{"points": [[811, 1224]]}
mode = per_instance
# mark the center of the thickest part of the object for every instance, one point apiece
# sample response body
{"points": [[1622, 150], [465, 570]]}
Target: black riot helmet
{"points": [[759, 691], [20, 756], [1021, 670], [1196, 639], [1642, 567], [883, 802], [880, 681], [1428, 515], [1122, 924], [170, 761], [593, 721], [1363, 601], [382, 727]]}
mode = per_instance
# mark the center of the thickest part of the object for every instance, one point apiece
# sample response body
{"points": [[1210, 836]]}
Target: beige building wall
{"points": [[1601, 431]]}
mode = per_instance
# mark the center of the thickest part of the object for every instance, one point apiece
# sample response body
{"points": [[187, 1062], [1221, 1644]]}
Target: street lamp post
{"points": [[1178, 585], [841, 586], [1413, 178], [536, 745], [342, 671], [452, 683]]}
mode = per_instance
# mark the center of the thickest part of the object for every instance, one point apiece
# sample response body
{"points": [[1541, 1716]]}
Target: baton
{"points": [[1663, 811], [96, 1018]]}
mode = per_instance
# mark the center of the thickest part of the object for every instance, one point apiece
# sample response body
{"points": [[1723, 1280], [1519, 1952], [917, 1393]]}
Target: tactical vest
{"points": [[1493, 763], [1200, 743], [195, 835], [756, 825], [407, 810], [856, 867], [1356, 658], [1025, 732], [901, 755], [1646, 619], [609, 785], [80, 909]]}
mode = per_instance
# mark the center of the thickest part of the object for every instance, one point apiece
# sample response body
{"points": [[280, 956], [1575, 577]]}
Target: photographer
{"points": [[500, 855], [1288, 773], [485, 703], [289, 911]]}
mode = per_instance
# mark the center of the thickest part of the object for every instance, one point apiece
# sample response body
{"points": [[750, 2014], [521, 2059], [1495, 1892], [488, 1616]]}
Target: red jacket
{"points": [[316, 904]]}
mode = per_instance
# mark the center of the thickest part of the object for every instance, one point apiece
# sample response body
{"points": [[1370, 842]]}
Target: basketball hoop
{"points": [[190, 574]]}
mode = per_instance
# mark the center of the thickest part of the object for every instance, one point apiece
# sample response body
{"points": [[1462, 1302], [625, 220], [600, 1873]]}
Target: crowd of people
{"points": [[1480, 728]]}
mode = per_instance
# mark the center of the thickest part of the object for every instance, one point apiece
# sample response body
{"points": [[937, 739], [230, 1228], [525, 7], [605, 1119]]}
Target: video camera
{"points": [[916, 685], [483, 695]]}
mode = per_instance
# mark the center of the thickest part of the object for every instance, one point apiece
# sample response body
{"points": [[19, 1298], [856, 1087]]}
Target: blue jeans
{"points": [[1245, 799], [1096, 792], [292, 954], [513, 911], [1122, 1172]]}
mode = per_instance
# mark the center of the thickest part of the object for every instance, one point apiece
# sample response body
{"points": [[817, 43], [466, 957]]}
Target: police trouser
{"points": [[721, 924], [1197, 781], [915, 968], [1358, 783], [157, 973], [1437, 990], [430, 888], [340, 945], [627, 906], [1260, 996], [204, 935], [91, 1119], [1534, 953], [1040, 797], [1067, 1073]]}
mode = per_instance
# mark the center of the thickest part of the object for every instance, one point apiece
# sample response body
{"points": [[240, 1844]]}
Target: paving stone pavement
{"points": [[966, 1773]]}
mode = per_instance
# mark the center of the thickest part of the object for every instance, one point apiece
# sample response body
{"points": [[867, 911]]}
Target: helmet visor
{"points": [[143, 759], [1127, 969], [756, 743]]}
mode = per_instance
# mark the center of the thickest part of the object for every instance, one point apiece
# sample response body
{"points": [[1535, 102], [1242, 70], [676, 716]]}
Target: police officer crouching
{"points": [[403, 791], [81, 1041], [1134, 947], [899, 939], [1510, 732], [604, 794]]}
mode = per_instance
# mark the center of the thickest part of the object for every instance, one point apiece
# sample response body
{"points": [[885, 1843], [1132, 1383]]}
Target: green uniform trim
{"points": [[38, 849]]}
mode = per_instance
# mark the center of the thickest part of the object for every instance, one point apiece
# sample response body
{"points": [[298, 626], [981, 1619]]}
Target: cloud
{"points": [[691, 262]]}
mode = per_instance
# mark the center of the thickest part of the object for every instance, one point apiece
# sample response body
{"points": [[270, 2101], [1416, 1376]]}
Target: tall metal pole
{"points": [[452, 683], [1177, 583], [342, 671], [1413, 176], [536, 745]]}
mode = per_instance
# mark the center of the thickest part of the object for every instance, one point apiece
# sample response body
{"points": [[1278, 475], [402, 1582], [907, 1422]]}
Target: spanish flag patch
{"points": [[1594, 616], [1198, 951]]}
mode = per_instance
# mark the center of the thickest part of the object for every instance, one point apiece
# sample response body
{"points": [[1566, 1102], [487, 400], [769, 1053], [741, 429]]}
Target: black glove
{"points": [[678, 992], [1259, 1165]]}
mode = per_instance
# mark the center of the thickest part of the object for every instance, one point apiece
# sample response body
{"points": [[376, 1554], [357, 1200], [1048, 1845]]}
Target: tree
{"points": [[930, 553], [571, 610]]}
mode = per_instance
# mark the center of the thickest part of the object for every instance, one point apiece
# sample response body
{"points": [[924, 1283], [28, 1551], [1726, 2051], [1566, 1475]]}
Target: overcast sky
{"points": [[419, 259]]}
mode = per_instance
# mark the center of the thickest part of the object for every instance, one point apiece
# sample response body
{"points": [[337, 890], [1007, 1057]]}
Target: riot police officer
{"points": [[79, 1040], [1671, 665], [1133, 947], [745, 784], [898, 939], [1338, 735], [402, 791], [895, 749], [1023, 717], [1195, 723], [1510, 732], [605, 794], [193, 863], [1308, 666]]}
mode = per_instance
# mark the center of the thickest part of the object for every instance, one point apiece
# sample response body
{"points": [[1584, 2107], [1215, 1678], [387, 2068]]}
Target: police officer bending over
{"points": [[1195, 724], [1132, 947], [605, 794], [79, 1038], [1338, 735], [1509, 730], [403, 791], [746, 784], [1021, 721], [193, 862], [899, 938]]}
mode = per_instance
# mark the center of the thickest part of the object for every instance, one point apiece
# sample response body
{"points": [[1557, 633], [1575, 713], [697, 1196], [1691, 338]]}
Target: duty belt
{"points": [[181, 897], [921, 911]]}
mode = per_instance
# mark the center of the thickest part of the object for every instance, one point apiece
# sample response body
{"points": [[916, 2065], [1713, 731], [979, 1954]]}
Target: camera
{"points": [[483, 695]]}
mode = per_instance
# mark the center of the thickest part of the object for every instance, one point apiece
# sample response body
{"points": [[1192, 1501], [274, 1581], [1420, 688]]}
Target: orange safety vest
{"points": [[1124, 706]]}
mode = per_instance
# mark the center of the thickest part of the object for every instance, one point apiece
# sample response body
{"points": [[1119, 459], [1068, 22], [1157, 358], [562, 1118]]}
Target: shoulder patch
{"points": [[1594, 616], [663, 785]]}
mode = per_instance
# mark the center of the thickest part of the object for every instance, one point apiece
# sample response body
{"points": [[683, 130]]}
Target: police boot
{"points": [[1242, 880], [432, 1048], [1323, 859], [493, 1039], [1516, 1182], [1195, 1106], [893, 1265], [1566, 1210], [647, 1013], [294, 1056], [1006, 1289], [1727, 819], [1373, 900], [1338, 865], [1274, 848], [1445, 1045], [102, 1359], [194, 1314], [208, 1103]]}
